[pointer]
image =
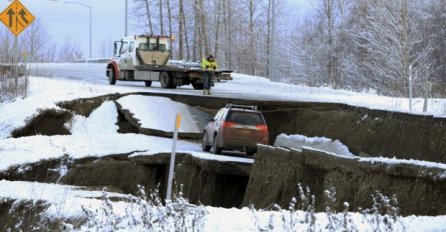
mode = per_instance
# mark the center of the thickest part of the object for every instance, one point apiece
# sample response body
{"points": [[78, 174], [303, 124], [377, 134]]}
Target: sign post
{"points": [[172, 157], [16, 18]]}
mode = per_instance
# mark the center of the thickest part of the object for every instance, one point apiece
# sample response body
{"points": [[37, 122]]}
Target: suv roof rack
{"points": [[230, 105]]}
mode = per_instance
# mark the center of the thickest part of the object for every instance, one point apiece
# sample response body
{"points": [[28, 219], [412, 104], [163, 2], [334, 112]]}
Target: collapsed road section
{"points": [[365, 132]]}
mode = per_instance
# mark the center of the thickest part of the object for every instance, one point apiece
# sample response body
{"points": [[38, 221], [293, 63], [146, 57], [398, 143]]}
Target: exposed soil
{"points": [[220, 184], [277, 172], [47, 122]]}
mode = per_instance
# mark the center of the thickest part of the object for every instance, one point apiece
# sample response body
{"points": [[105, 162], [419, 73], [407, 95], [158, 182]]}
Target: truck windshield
{"points": [[154, 47]]}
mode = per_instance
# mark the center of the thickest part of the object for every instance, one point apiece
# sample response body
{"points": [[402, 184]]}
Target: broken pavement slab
{"points": [[156, 116]]}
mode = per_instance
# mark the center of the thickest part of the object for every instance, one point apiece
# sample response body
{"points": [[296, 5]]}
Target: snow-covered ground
{"points": [[96, 136], [336, 148]]}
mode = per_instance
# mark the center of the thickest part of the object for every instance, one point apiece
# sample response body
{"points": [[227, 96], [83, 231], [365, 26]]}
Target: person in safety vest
{"points": [[209, 64]]}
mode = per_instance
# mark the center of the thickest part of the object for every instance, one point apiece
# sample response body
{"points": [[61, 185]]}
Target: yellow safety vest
{"points": [[206, 64]]}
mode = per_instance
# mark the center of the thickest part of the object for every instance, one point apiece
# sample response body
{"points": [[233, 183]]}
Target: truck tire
{"points": [[197, 85], [148, 83], [166, 80], [112, 76]]}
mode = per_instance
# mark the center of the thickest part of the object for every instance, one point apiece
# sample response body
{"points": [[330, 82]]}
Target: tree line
{"points": [[362, 45], [36, 45], [371, 45]]}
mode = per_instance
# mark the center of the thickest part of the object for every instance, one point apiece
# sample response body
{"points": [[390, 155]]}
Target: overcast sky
{"points": [[64, 20]]}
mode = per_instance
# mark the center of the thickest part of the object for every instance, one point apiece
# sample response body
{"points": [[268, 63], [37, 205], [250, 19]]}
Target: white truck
{"points": [[146, 58]]}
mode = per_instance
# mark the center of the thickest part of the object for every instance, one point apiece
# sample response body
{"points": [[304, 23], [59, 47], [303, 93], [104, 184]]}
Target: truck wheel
{"points": [[112, 76], [148, 83], [197, 85], [166, 80]]}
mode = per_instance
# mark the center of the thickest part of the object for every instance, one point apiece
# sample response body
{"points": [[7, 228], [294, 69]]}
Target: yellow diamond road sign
{"points": [[16, 17]]}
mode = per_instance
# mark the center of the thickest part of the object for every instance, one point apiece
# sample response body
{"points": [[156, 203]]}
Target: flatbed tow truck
{"points": [[147, 58]]}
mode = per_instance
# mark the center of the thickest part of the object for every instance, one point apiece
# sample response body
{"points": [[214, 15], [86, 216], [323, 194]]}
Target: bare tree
{"points": [[69, 51], [180, 30], [391, 45], [252, 8], [169, 15], [161, 19], [268, 38], [328, 9], [34, 41], [6, 44], [218, 4], [227, 21], [149, 18]]}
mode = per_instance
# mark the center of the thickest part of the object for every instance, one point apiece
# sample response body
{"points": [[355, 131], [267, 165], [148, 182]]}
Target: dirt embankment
{"points": [[277, 172], [214, 183], [368, 132]]}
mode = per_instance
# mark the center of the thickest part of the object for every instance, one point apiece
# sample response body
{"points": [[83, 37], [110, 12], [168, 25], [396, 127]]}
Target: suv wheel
{"points": [[204, 143], [215, 148]]}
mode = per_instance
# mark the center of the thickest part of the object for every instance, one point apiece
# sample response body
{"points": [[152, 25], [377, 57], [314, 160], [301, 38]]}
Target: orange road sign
{"points": [[16, 17]]}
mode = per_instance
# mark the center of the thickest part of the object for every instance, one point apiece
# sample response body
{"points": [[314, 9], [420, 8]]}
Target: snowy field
{"points": [[97, 136]]}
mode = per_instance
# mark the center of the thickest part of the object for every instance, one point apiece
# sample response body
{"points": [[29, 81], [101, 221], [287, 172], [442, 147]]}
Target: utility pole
{"points": [[126, 17]]}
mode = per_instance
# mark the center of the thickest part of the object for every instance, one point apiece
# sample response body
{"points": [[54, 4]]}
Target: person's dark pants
{"points": [[207, 80]]}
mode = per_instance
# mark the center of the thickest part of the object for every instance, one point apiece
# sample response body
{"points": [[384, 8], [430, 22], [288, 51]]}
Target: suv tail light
{"points": [[228, 124], [262, 127]]}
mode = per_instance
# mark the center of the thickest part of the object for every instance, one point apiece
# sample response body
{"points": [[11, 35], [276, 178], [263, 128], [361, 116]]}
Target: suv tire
{"points": [[250, 152], [215, 148], [204, 143]]}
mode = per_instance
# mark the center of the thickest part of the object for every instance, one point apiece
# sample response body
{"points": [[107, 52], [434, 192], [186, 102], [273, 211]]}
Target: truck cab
{"points": [[133, 51]]}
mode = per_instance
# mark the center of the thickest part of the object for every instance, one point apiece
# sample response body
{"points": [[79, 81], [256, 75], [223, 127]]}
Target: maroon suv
{"points": [[235, 127]]}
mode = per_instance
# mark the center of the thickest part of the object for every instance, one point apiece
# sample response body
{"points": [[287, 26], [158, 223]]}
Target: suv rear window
{"points": [[245, 118]]}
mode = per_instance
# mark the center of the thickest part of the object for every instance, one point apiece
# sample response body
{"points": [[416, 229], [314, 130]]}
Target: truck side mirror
{"points": [[117, 48]]}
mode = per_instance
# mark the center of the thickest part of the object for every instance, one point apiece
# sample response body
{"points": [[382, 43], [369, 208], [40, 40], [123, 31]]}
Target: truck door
{"points": [[123, 56], [130, 55]]}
